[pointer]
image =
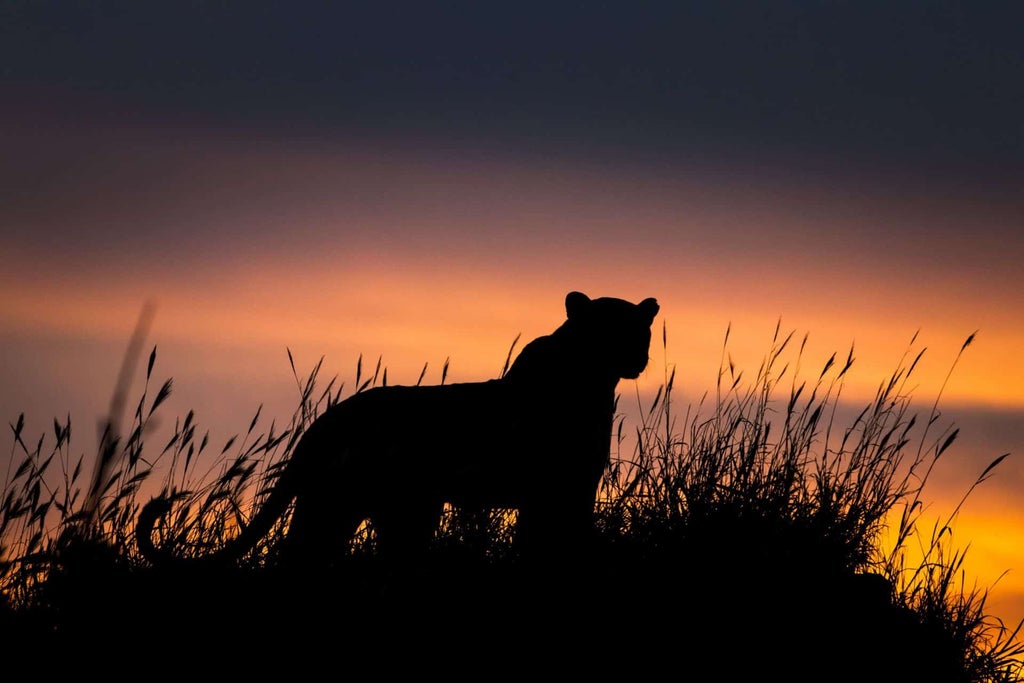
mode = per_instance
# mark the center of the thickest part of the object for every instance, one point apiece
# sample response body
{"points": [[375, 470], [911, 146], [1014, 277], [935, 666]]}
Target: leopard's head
{"points": [[613, 334]]}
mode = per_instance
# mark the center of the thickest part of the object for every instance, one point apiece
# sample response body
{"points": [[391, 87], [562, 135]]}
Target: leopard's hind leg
{"points": [[405, 531], [318, 534]]}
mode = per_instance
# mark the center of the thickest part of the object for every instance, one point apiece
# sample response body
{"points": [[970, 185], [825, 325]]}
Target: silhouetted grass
{"points": [[745, 533]]}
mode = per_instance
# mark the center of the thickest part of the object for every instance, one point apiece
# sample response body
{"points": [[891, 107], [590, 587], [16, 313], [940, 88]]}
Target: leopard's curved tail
{"points": [[273, 508]]}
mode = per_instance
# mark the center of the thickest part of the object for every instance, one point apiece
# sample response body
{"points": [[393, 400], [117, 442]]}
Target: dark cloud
{"points": [[901, 81]]}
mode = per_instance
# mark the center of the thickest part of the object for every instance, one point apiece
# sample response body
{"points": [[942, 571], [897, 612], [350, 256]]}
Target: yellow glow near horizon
{"points": [[989, 542]]}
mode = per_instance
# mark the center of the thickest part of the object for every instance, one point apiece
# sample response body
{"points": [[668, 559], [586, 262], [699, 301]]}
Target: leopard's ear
{"points": [[575, 303], [649, 307]]}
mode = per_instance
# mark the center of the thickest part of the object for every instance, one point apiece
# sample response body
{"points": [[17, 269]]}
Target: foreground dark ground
{"points": [[619, 612]]}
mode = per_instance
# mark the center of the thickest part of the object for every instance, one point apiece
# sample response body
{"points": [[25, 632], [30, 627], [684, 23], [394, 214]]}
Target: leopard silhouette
{"points": [[537, 440]]}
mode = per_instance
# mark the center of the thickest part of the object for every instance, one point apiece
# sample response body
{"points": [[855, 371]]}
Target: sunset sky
{"points": [[425, 181]]}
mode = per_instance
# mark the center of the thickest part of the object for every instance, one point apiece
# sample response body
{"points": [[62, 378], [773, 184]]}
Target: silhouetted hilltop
{"points": [[623, 611]]}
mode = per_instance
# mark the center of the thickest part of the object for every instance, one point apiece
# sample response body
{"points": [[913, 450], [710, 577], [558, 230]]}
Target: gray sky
{"points": [[904, 83]]}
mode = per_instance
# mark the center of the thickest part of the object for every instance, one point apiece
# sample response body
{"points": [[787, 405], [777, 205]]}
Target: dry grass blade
{"points": [[508, 356]]}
